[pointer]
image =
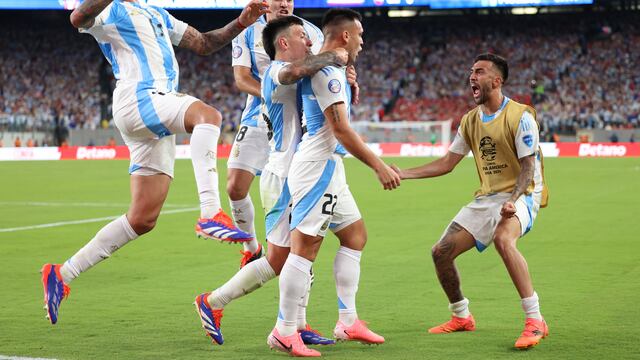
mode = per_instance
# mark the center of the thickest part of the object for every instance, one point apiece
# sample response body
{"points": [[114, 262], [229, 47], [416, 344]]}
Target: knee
{"points": [[142, 224], [503, 243], [439, 253], [207, 115], [234, 190]]}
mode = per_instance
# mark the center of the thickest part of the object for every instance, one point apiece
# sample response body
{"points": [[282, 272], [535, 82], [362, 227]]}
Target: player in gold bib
{"points": [[503, 137]]}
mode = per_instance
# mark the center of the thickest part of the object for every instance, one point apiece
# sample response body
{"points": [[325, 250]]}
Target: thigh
{"points": [[148, 194], [353, 236], [250, 150], [454, 241], [527, 207]]}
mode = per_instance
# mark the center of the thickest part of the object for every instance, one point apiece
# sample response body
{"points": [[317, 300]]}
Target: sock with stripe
{"points": [[346, 270], [294, 284], [531, 306]]}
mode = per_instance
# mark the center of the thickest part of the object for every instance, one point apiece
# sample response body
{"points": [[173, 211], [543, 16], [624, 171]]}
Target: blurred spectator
{"points": [[17, 143], [613, 138], [111, 141]]}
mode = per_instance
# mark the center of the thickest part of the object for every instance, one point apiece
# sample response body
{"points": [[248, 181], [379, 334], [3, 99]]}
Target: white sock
{"points": [[110, 238], [204, 150], [460, 309], [243, 215], [294, 284], [531, 306], [302, 308], [245, 281], [346, 270]]}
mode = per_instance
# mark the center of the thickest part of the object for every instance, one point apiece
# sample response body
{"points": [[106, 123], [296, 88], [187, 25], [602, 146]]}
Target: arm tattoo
{"points": [[306, 67], [209, 42], [527, 165], [335, 113], [88, 11]]}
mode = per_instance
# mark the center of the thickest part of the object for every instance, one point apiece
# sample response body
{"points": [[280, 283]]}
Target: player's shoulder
{"points": [[328, 72]]}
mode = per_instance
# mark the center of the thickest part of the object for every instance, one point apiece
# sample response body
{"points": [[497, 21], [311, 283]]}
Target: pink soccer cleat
{"points": [[356, 332], [291, 344]]}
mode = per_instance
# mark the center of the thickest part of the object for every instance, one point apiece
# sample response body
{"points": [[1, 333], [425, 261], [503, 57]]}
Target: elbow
{"points": [[76, 19]]}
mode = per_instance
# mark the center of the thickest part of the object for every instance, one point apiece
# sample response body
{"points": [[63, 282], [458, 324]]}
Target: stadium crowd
{"points": [[578, 74]]}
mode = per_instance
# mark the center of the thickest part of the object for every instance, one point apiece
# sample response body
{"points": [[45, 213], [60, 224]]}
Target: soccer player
{"points": [[286, 42], [251, 146], [320, 195], [147, 109], [503, 136]]}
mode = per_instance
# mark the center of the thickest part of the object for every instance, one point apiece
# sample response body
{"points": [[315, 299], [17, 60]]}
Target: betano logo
{"points": [[92, 153], [602, 150]]}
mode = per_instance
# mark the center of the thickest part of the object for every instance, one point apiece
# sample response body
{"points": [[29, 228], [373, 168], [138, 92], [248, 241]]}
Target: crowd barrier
{"points": [[381, 149]]}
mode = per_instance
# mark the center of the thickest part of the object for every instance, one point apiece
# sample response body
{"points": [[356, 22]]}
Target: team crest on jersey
{"points": [[334, 86], [488, 148], [528, 140], [325, 225], [237, 51]]}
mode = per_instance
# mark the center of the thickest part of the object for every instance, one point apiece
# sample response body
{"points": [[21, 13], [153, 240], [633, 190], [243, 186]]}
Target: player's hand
{"points": [[398, 171], [388, 177], [508, 209], [342, 57], [253, 10], [352, 76]]}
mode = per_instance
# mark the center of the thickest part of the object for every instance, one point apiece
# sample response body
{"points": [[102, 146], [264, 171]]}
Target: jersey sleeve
{"points": [[459, 145], [175, 27], [527, 136], [240, 52], [276, 67], [329, 87], [97, 29]]}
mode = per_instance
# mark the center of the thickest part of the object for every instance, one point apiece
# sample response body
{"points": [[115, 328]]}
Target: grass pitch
{"points": [[583, 253]]}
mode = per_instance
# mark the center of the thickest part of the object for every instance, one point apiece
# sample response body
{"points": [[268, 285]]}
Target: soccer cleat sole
{"points": [[206, 236]]}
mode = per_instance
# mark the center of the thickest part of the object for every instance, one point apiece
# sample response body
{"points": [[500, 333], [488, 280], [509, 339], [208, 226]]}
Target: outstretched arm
{"points": [[442, 166], [84, 15], [527, 166], [209, 42], [311, 65], [337, 117], [245, 82]]}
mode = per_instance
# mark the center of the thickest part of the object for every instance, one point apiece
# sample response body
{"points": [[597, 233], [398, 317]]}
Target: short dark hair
{"points": [[337, 16], [273, 29], [498, 61]]}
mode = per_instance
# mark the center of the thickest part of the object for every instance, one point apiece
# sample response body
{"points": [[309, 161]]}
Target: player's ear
{"points": [[282, 41], [346, 36]]}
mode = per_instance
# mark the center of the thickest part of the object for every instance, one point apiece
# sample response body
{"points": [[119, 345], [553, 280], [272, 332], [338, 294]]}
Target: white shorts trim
{"points": [[276, 200], [148, 127], [321, 197], [250, 150], [481, 216]]}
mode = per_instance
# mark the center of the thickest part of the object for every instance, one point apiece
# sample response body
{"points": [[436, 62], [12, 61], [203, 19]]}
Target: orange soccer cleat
{"points": [[534, 331], [455, 324]]}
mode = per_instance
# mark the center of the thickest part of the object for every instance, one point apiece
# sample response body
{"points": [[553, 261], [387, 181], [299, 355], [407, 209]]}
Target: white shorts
{"points": [[321, 197], [250, 150], [276, 200], [148, 126], [481, 216]]}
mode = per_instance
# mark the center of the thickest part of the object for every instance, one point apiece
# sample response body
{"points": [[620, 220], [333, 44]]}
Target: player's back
{"points": [[326, 87], [137, 41], [283, 113]]}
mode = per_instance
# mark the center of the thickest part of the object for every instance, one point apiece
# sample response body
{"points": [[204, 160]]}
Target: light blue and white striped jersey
{"points": [[248, 51], [137, 41], [284, 110], [327, 87]]}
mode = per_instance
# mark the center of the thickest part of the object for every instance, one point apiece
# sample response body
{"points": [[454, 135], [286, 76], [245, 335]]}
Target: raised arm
{"points": [[442, 166], [84, 15], [209, 42], [336, 115], [311, 65], [245, 82]]}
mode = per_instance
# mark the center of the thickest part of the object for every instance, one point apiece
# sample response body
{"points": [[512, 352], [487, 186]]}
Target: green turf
{"points": [[582, 252]]}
